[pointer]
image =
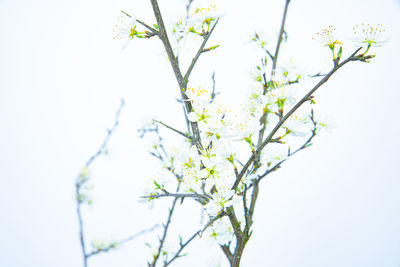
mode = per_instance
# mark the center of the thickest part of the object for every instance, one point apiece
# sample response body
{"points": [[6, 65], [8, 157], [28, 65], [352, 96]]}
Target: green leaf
{"points": [[339, 54], [210, 48], [157, 185]]}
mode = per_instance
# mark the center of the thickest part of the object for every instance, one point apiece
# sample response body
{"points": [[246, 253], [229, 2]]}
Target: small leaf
{"points": [[157, 185], [210, 48], [339, 54]]}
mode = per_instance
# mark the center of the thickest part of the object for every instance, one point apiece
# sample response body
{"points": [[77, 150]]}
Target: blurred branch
{"points": [[213, 93], [118, 243], [83, 178]]}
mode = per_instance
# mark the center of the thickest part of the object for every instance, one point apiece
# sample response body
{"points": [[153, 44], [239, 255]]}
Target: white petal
{"points": [[193, 117]]}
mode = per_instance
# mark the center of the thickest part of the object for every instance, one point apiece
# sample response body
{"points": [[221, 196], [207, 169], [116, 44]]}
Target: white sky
{"points": [[61, 80]]}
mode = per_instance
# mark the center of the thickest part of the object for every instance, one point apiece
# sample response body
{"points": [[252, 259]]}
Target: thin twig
{"points": [[109, 133], [154, 31], [290, 153], [198, 233], [166, 226], [118, 243], [178, 195], [196, 57], [278, 45], [175, 130], [265, 85], [213, 93]]}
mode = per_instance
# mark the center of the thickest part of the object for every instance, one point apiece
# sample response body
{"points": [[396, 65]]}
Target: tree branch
{"points": [[275, 58], [179, 195], [175, 66], [175, 130], [198, 233], [118, 243], [194, 60], [306, 98], [82, 179], [166, 226]]}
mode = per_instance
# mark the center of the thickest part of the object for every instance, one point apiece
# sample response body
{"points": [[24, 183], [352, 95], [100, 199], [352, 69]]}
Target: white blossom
{"points": [[219, 202], [125, 29], [328, 37], [366, 35], [221, 231]]}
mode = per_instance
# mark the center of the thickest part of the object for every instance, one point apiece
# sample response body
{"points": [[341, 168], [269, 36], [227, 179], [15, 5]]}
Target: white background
{"points": [[61, 80]]}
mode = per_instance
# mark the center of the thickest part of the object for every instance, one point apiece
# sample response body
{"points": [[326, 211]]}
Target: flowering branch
{"points": [[208, 166], [199, 52], [175, 66], [265, 84], [306, 98], [178, 195], [306, 144]]}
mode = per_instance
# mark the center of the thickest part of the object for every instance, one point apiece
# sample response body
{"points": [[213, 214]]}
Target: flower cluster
{"points": [[126, 29], [365, 35], [198, 22], [98, 244]]}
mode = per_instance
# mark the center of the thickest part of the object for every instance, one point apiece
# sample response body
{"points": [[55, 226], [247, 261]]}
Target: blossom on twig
{"points": [[366, 35], [328, 38]]}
